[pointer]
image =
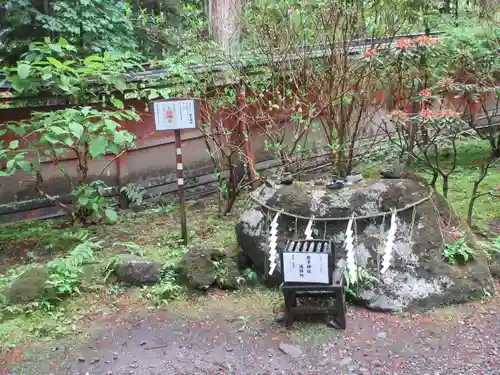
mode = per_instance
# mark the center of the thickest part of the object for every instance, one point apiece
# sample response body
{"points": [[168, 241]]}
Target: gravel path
{"points": [[453, 341]]}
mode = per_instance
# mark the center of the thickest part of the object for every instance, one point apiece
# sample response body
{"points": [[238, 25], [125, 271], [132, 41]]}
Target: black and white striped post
{"points": [[177, 115], [180, 184]]}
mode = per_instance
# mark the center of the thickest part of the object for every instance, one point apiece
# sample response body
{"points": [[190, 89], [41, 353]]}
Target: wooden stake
{"points": [[180, 184]]}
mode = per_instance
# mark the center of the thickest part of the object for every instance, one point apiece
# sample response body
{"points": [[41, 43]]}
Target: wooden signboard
{"points": [[176, 115]]}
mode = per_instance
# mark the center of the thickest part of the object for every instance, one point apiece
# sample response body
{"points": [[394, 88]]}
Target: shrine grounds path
{"points": [[214, 339]]}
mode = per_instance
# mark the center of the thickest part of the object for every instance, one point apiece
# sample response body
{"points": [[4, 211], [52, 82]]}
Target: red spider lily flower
{"points": [[370, 52], [405, 43], [425, 93]]}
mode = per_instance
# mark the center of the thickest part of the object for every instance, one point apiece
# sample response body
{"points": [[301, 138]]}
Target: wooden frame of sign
{"points": [[176, 115]]}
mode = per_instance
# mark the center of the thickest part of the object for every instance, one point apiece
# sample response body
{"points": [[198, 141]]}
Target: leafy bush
{"points": [[81, 131], [458, 251]]}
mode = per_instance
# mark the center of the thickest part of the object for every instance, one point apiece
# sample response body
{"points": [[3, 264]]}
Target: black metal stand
{"points": [[334, 288]]}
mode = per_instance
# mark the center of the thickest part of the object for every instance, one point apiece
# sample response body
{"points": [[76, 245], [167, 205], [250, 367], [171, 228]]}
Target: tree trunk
{"points": [[224, 19]]}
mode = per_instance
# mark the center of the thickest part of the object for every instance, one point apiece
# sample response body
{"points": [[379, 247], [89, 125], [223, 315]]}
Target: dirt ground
{"points": [[213, 339]]}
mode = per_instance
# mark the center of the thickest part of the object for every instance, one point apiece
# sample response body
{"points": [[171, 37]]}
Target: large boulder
{"points": [[137, 271], [418, 277], [29, 286]]}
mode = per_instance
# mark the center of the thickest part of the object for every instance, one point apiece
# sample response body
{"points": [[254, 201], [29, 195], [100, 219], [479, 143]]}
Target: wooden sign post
{"points": [[177, 115]]}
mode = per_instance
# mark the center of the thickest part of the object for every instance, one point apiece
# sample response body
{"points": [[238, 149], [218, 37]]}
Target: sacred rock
{"points": [[419, 276]]}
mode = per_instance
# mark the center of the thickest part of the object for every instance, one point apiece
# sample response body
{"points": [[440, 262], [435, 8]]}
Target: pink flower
{"points": [[427, 114], [448, 113], [425, 93], [405, 43], [370, 52]]}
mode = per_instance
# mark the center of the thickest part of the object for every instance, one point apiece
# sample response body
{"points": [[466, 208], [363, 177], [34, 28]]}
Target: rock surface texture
{"points": [[138, 271], [418, 277]]}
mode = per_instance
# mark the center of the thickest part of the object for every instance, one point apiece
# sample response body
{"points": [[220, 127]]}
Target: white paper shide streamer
{"points": [[389, 245], [273, 243], [349, 247], [308, 232]]}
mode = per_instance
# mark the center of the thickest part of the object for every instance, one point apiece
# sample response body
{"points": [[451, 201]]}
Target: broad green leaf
{"points": [[76, 129], [55, 62], [24, 165], [83, 200], [55, 47], [120, 85], [14, 144], [97, 146], [5, 174], [36, 162], [23, 70], [111, 215], [57, 130], [111, 125], [11, 164], [117, 103], [46, 76]]}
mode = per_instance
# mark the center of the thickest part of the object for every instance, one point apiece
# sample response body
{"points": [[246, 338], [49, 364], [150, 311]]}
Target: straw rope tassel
{"points": [[273, 242], [389, 245], [349, 247], [308, 232]]}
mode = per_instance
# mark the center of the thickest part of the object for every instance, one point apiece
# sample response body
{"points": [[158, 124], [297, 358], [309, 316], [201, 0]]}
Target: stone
{"points": [[495, 265], [292, 350], [202, 267], [92, 276], [137, 271], [353, 179], [29, 286], [418, 277]]}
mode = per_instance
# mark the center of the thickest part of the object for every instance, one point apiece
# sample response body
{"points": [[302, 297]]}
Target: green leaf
{"points": [[111, 125], [55, 62], [23, 70], [117, 103], [111, 215], [55, 47], [57, 130], [14, 144], [97, 146], [5, 174], [24, 165], [76, 129], [83, 200], [46, 76], [120, 85]]}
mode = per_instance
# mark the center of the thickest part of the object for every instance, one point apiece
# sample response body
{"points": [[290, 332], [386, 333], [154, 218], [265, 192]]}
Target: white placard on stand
{"points": [[306, 268], [175, 115]]}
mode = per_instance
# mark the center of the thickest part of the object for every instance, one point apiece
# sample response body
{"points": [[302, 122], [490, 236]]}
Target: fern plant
{"points": [[65, 273]]}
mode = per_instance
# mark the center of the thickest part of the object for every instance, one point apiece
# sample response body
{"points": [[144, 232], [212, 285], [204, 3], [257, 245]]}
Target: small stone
{"points": [[292, 350], [81, 359], [346, 361], [94, 360], [280, 317], [229, 349], [332, 323], [115, 355], [381, 335], [109, 373], [143, 343]]}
